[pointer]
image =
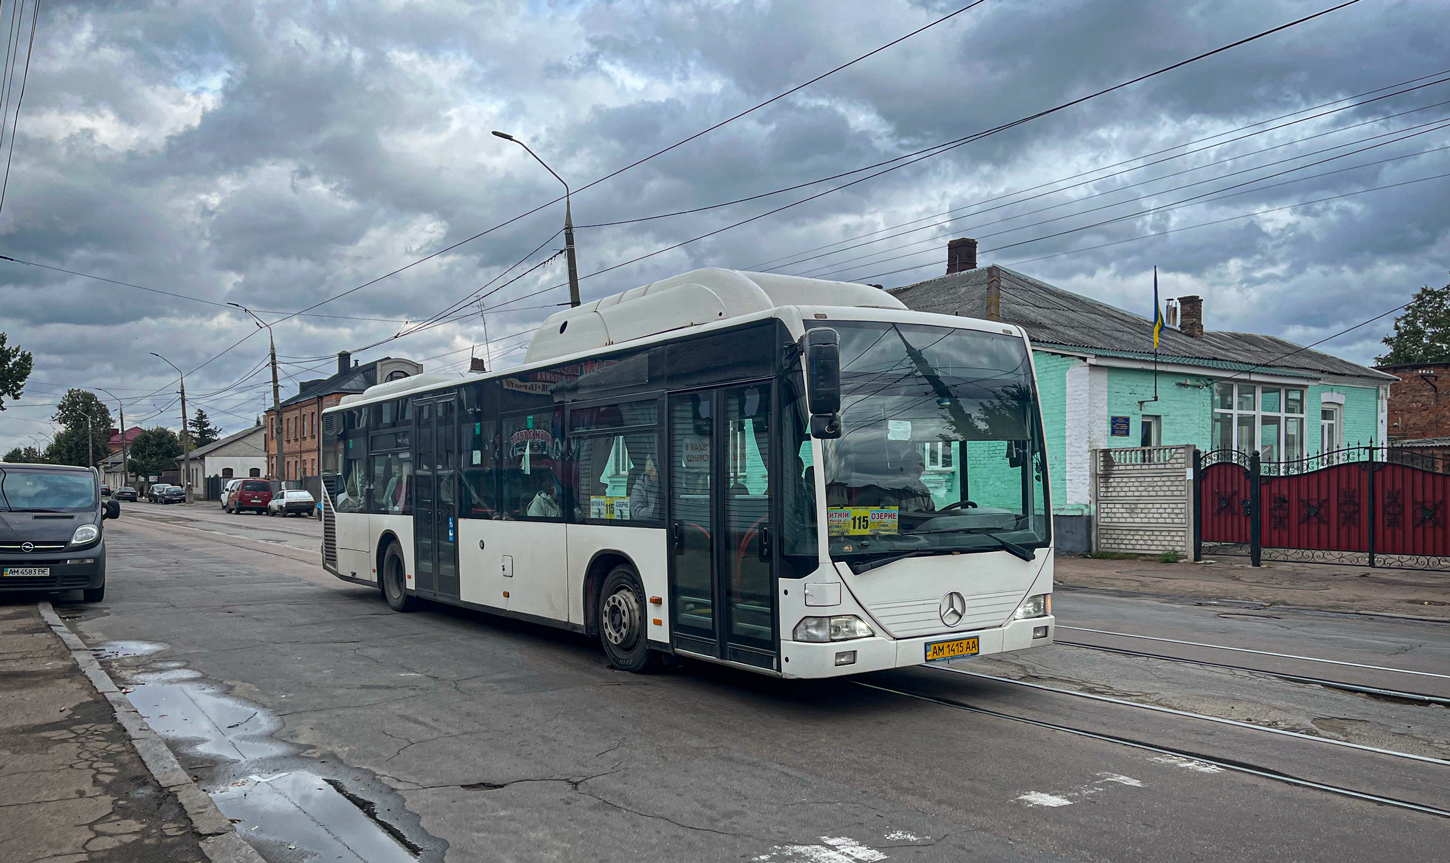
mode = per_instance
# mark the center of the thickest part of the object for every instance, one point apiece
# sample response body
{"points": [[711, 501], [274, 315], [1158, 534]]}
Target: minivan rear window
{"points": [[256, 485]]}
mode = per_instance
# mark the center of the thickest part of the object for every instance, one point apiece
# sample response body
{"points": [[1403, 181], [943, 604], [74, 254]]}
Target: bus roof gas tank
{"points": [[688, 300]]}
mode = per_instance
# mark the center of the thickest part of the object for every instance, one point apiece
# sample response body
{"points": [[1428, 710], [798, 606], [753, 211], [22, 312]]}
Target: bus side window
{"points": [[530, 474], [480, 471]]}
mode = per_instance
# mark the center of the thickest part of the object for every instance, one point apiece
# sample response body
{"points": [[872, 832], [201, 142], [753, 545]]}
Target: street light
{"points": [[568, 219], [185, 438], [276, 428], [125, 459]]}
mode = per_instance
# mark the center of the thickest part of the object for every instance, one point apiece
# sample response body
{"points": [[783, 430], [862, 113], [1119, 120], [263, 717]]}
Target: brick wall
{"points": [[1143, 499], [1417, 407]]}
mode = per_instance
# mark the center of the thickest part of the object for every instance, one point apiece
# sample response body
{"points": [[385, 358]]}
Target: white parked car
{"points": [[292, 501]]}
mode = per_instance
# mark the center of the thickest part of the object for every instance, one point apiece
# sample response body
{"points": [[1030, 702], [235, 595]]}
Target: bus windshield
{"points": [[940, 447]]}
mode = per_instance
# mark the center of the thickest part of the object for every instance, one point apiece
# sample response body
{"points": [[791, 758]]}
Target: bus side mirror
{"points": [[823, 381]]}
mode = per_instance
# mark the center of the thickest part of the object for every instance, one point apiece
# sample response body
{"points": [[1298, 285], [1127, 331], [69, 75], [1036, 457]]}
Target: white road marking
{"points": [[1038, 798], [1186, 763], [834, 849], [902, 836], [1067, 798]]}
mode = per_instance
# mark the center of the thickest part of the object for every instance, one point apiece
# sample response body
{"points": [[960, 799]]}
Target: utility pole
{"points": [[185, 435], [275, 432], [125, 461], [568, 220]]}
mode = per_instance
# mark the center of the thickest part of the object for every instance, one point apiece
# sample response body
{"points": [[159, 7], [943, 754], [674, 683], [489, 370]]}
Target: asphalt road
{"points": [[475, 738]]}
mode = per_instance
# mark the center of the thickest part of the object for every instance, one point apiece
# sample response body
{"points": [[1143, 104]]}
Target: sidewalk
{"points": [[1323, 586], [72, 784]]}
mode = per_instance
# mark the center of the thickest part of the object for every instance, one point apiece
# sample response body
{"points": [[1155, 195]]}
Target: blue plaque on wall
{"points": [[1118, 426]]}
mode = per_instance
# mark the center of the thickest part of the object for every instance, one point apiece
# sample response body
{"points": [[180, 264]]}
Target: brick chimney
{"points": [[1192, 316], [344, 361], [961, 255]]}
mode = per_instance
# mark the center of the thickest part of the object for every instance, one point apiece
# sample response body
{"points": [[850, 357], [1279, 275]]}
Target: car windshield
{"points": [[46, 491], [941, 444]]}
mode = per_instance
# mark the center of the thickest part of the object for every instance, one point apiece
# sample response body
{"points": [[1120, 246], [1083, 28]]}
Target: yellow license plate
{"points": [[959, 647]]}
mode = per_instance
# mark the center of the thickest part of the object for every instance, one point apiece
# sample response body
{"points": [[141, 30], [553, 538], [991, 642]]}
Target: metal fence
{"points": [[1379, 506]]}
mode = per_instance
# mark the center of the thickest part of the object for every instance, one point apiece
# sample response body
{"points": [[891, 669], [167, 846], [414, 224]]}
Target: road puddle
{"points": [[290, 807]]}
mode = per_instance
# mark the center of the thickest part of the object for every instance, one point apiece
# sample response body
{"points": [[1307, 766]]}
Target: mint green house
{"points": [[1216, 390]]}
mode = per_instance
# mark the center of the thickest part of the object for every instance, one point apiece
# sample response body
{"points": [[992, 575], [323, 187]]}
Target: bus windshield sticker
{"points": [[861, 520], [898, 429], [603, 507]]}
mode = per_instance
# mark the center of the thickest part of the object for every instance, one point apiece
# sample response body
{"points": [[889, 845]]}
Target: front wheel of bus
{"points": [[622, 622], [395, 580]]}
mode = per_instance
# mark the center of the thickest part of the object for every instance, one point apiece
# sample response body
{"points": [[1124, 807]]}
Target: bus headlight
{"points": [[1034, 606], [842, 627], [84, 534]]}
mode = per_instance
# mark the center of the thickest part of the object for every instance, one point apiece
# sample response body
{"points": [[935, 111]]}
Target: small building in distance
{"points": [[1419, 407], [237, 455], [294, 440]]}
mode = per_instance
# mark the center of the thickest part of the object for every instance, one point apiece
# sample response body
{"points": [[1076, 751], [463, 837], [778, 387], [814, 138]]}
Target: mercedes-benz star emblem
{"points": [[27, 547], [953, 608]]}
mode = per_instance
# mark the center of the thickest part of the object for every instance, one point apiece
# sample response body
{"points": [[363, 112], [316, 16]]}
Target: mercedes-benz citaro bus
{"points": [[791, 476]]}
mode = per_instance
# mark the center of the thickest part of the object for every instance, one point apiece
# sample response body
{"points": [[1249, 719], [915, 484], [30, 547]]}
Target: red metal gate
{"points": [[1365, 505], [1223, 497]]}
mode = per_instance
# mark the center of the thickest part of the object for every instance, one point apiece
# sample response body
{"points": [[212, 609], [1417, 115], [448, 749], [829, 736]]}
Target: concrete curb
{"points": [[219, 840]]}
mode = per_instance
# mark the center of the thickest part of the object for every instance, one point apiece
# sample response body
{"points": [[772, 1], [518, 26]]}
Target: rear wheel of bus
{"points": [[621, 622], [395, 580]]}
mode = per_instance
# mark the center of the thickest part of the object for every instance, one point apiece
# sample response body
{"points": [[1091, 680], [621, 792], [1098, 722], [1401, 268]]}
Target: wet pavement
{"points": [[72, 787], [469, 737]]}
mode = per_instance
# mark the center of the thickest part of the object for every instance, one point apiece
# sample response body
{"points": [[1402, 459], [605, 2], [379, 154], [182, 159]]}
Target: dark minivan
{"points": [[50, 529]]}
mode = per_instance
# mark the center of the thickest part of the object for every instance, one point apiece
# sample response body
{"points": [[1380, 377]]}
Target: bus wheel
{"points": [[395, 580], [622, 622]]}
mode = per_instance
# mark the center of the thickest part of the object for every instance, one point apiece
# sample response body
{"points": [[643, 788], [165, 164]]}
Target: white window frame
{"points": [[1155, 422], [931, 456], [1233, 412], [1334, 426]]}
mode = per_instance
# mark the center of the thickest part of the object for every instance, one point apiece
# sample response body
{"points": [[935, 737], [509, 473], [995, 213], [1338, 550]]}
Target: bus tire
{"points": [[621, 622], [395, 580]]}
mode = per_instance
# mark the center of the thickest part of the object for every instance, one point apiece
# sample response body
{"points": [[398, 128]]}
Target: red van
{"points": [[253, 494]]}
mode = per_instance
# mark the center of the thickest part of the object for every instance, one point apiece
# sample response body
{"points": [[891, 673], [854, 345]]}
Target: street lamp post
{"points": [[185, 438], [275, 431], [568, 220], [125, 460]]}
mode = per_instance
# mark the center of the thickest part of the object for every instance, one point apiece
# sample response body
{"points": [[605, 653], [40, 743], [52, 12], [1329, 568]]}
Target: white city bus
{"points": [[791, 476]]}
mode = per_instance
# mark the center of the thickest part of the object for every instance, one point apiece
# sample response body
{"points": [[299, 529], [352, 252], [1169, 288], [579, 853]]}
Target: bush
{"points": [[1169, 557]]}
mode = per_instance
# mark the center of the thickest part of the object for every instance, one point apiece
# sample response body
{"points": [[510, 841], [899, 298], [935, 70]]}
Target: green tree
{"points": [[79, 411], [15, 367], [1422, 331], [154, 450], [24, 455], [202, 431]]}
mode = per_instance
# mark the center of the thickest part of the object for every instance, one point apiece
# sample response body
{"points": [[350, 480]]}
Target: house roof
{"points": [[354, 380], [130, 435], [1055, 317], [202, 451]]}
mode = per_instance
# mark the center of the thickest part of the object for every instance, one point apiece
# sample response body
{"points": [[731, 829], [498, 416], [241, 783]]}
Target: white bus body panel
{"points": [[480, 576], [527, 560], [400, 526], [353, 557], [905, 597], [647, 547]]}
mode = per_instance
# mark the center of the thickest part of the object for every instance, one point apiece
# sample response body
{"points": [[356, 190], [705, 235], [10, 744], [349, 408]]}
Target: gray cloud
{"points": [[277, 154]]}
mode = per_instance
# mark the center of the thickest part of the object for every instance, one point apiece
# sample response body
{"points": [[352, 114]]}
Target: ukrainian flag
{"points": [[1157, 311]]}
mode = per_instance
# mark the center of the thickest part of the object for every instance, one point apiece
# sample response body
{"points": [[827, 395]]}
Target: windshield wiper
{"points": [[1012, 548], [868, 565]]}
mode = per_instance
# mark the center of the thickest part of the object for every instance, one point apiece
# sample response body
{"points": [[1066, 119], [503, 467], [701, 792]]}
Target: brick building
{"points": [[1216, 390], [1419, 412], [294, 442]]}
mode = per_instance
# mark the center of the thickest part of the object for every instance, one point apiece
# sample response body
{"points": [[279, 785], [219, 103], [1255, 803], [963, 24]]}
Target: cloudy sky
{"points": [[279, 154]]}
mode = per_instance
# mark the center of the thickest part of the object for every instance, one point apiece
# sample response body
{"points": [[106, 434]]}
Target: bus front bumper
{"points": [[807, 659]]}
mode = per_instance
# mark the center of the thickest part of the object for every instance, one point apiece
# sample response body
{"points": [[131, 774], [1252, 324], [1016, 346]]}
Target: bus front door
{"points": [[722, 585], [435, 510]]}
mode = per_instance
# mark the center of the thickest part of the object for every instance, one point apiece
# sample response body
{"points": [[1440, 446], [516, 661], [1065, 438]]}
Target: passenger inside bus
{"points": [[644, 494], [545, 502]]}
